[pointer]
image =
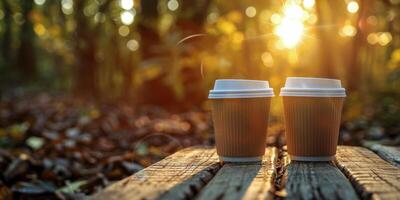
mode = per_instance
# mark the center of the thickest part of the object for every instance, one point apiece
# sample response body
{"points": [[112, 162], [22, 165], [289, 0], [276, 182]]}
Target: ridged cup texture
{"points": [[312, 125], [240, 126]]}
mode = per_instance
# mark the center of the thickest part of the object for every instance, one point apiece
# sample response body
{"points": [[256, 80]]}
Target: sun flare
{"points": [[290, 30]]}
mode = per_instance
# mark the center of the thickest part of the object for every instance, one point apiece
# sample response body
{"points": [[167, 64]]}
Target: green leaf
{"points": [[72, 187]]}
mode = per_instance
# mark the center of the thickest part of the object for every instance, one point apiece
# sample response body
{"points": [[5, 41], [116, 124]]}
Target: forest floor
{"points": [[60, 147], [56, 146]]}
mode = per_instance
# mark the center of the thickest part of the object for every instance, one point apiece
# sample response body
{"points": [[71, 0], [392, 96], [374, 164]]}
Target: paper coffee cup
{"points": [[240, 110], [312, 112]]}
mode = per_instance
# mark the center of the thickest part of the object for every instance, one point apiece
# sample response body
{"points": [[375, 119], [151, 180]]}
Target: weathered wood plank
{"points": [[179, 176], [372, 177], [243, 181], [314, 180], [388, 153]]}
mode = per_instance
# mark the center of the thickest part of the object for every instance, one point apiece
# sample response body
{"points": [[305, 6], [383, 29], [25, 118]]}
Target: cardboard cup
{"points": [[312, 111], [240, 111], [312, 127], [240, 128]]}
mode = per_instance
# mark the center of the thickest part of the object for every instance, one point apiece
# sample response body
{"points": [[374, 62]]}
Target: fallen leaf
{"points": [[35, 142], [34, 188]]}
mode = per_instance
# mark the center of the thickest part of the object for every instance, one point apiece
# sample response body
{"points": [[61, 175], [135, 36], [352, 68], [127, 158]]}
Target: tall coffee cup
{"points": [[240, 110], [312, 112]]}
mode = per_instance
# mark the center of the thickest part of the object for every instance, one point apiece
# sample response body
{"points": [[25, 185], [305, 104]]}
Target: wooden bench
{"points": [[196, 173]]}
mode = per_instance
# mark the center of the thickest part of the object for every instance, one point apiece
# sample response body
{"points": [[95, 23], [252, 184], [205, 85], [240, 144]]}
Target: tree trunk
{"points": [[26, 60], [85, 49], [6, 37], [147, 28], [325, 43], [353, 74]]}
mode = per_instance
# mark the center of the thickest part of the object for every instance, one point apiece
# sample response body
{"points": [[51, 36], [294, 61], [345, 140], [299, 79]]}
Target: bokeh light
{"points": [[127, 17], [132, 45], [39, 2], [251, 11], [39, 29], [372, 38], [352, 7], [173, 5], [126, 4], [308, 3], [99, 17], [385, 38], [67, 6], [348, 30], [123, 31], [267, 59]]}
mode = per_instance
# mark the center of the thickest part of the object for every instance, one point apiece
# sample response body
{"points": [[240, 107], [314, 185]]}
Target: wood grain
{"points": [[372, 177], [314, 180], [243, 181], [388, 153], [195, 173], [179, 176]]}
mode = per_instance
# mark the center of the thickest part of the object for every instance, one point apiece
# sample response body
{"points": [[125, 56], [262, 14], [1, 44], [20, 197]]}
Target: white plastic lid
{"points": [[312, 87], [239, 88]]}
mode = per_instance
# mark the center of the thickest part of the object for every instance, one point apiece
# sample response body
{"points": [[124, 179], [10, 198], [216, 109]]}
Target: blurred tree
{"points": [[6, 40], [92, 48], [354, 70], [326, 38], [85, 52], [26, 58], [148, 28]]}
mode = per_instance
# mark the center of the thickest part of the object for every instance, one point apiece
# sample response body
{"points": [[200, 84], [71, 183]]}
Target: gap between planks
{"points": [[196, 173], [388, 153], [312, 180]]}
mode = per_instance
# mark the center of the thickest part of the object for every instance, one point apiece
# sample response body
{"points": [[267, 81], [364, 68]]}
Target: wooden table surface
{"points": [[196, 173]]}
